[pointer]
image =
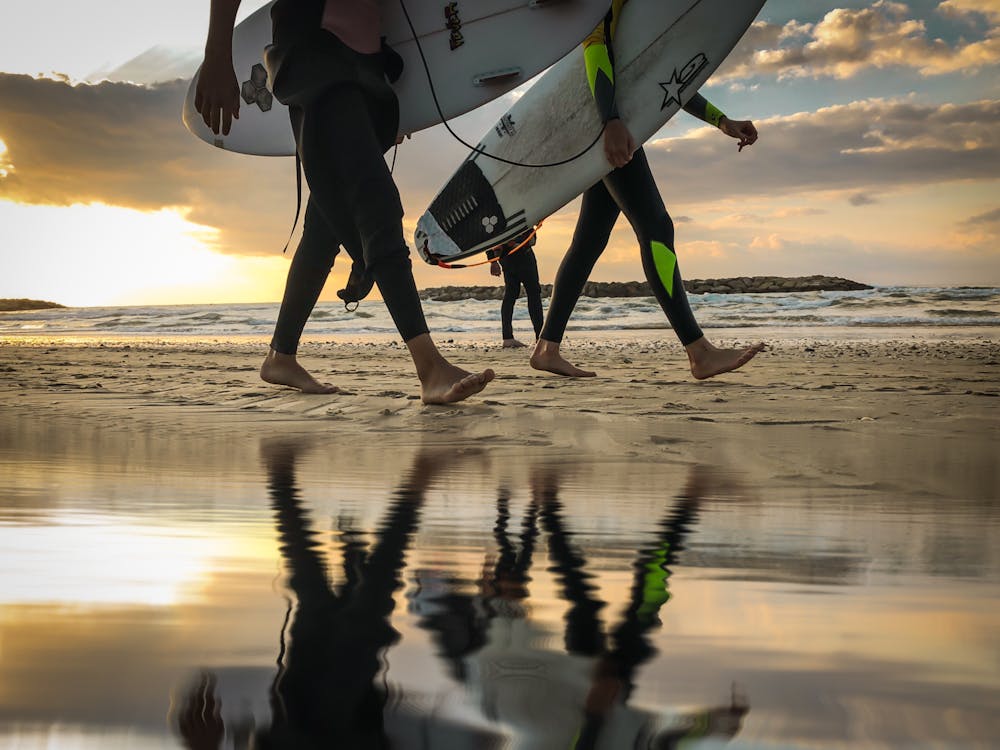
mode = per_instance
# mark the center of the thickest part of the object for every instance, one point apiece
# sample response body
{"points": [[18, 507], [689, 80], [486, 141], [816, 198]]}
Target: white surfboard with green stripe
{"points": [[665, 50]]}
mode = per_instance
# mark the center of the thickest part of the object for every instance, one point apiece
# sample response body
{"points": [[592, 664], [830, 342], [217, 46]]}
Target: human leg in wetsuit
{"points": [[311, 265], [341, 135], [330, 693], [631, 190], [520, 269], [307, 274]]}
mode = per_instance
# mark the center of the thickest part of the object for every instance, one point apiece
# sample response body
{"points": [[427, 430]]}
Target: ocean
{"points": [[879, 307]]}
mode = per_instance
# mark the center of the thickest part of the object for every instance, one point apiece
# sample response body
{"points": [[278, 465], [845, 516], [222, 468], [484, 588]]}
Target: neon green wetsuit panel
{"points": [[665, 262]]}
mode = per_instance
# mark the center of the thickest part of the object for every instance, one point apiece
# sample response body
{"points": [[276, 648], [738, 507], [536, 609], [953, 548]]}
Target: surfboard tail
{"points": [[465, 214]]}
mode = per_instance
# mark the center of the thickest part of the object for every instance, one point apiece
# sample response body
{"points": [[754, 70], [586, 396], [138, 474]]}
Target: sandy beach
{"points": [[837, 383], [820, 525]]}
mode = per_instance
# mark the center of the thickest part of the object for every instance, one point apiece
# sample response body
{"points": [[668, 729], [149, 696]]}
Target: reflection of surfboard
{"points": [[664, 51], [476, 50], [415, 719]]}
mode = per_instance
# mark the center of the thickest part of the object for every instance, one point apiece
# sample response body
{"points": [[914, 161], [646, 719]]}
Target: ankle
{"points": [[546, 347], [698, 347], [275, 356], [425, 355]]}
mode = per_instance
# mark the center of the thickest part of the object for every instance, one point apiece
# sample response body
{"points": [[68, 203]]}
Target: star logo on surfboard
{"points": [[679, 81], [672, 89]]}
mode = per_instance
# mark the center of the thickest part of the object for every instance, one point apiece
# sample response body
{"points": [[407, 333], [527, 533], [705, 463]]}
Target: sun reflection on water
{"points": [[94, 560]]}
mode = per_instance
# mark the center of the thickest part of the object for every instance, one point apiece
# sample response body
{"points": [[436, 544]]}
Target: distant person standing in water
{"points": [[329, 65], [631, 189], [519, 267]]}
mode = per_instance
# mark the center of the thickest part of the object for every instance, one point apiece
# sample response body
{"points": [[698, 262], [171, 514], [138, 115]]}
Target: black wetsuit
{"points": [[520, 269], [344, 117], [328, 693], [630, 190]]}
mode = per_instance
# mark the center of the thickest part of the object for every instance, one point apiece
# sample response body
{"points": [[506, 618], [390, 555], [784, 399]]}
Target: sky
{"points": [[878, 159]]}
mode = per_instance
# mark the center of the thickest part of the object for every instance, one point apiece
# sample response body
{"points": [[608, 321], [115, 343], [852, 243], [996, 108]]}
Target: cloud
{"points": [[861, 199], [969, 9], [849, 41], [156, 65], [771, 242], [786, 213], [124, 145], [990, 217], [978, 232], [866, 147]]}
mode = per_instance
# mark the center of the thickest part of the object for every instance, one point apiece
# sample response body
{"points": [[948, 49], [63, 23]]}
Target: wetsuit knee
{"points": [[664, 227], [661, 228]]}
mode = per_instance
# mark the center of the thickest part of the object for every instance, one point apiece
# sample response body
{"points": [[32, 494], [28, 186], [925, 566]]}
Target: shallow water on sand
{"points": [[330, 594]]}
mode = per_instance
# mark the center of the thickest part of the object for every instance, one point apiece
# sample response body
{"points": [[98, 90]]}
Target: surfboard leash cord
{"points": [[457, 137], [524, 242]]}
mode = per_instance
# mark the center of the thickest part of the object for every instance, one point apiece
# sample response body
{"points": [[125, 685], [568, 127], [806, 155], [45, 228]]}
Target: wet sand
{"points": [[843, 385], [826, 518]]}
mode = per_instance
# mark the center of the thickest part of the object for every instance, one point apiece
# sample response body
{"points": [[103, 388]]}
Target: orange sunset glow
{"points": [[875, 162]]}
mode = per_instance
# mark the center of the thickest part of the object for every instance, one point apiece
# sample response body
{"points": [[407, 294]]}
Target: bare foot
{"points": [[707, 360], [512, 344], [546, 357], [284, 369], [446, 384]]}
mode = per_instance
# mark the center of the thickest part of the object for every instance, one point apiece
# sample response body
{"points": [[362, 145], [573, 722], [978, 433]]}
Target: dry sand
{"points": [[854, 402]]}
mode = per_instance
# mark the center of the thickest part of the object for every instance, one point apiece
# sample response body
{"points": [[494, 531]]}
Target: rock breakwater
{"points": [[736, 285], [14, 305]]}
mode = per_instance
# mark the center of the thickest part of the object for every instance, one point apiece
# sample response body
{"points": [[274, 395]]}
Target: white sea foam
{"points": [[884, 306]]}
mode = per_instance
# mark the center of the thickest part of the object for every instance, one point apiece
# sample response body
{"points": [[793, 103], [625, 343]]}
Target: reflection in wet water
{"points": [[295, 593]]}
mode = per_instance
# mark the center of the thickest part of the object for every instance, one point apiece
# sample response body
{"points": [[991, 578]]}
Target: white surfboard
{"points": [[476, 50], [665, 50]]}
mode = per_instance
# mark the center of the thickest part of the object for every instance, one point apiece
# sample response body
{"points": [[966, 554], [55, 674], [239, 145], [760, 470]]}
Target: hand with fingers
{"points": [[217, 95], [619, 145], [743, 130]]}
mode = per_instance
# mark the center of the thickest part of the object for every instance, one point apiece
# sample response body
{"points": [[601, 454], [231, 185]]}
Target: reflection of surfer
{"points": [[577, 697], [326, 693], [631, 189], [519, 268], [329, 66]]}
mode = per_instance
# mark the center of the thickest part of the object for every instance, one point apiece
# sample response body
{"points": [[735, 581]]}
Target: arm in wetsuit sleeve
{"points": [[742, 130], [619, 146], [700, 107], [599, 56]]}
